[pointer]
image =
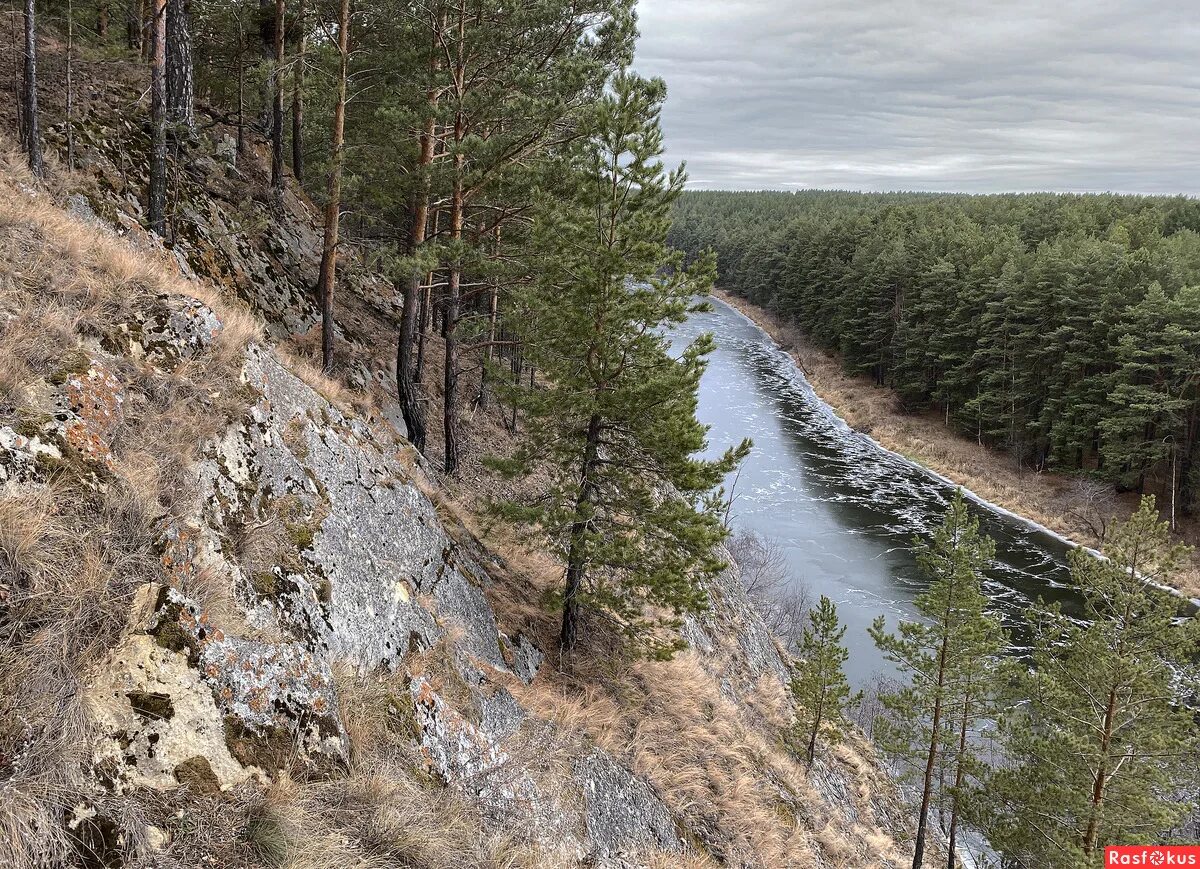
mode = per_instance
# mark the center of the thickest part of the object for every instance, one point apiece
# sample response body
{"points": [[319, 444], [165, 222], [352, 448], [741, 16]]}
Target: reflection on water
{"points": [[844, 509]]}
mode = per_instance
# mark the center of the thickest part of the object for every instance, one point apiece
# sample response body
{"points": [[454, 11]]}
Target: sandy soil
{"points": [[1076, 509]]}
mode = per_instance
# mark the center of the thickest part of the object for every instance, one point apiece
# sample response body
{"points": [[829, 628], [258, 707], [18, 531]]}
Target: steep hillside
{"points": [[241, 626]]}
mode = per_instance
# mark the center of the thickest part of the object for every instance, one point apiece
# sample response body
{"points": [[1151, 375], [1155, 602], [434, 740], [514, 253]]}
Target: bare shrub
{"points": [[870, 708], [781, 598], [1091, 507]]}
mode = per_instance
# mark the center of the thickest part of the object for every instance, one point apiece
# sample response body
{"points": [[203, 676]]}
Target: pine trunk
{"points": [[931, 759], [489, 354], [952, 836], [450, 306], [277, 106], [70, 121], [146, 19], [102, 19], [133, 25], [576, 558], [328, 275], [449, 330], [241, 96], [156, 209], [29, 94], [181, 116], [812, 736], [298, 96], [1100, 781], [423, 327], [412, 315]]}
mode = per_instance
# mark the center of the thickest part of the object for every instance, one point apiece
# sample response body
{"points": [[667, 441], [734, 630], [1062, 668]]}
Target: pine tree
{"points": [[612, 432], [1156, 385], [31, 136], [819, 683], [1102, 753], [516, 79], [181, 116], [276, 86], [156, 210], [298, 93], [947, 659], [327, 274]]}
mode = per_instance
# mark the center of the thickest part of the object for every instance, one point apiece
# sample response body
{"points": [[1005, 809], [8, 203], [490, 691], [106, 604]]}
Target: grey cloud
{"points": [[936, 95]]}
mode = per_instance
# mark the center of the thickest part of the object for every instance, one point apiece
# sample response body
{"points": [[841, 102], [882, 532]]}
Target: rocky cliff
{"points": [[241, 626]]}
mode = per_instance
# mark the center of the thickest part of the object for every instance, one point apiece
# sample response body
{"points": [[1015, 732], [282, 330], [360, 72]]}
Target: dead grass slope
{"points": [[72, 554]]}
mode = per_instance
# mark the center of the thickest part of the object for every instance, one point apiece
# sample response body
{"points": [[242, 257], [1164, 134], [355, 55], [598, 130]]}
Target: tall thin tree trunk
{"points": [[70, 122], [952, 836], [423, 328], [133, 25], [298, 95], [241, 90], [489, 353], [181, 116], [450, 310], [577, 554], [146, 23], [517, 360], [277, 107], [927, 789], [156, 209], [266, 49], [406, 385], [931, 760], [812, 734], [29, 94], [18, 85], [327, 278], [1100, 781], [449, 329], [102, 19]]}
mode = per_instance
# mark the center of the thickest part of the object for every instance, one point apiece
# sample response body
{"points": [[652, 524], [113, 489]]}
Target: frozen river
{"points": [[845, 510]]}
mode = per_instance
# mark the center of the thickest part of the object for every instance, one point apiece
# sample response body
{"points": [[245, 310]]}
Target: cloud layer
{"points": [[970, 95]]}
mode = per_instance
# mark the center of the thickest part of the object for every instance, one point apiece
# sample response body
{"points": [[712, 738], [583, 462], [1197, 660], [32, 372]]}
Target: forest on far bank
{"points": [[1062, 328]]}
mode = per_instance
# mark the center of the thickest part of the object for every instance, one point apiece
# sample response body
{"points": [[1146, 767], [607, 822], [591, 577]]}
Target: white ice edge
{"points": [[798, 375]]}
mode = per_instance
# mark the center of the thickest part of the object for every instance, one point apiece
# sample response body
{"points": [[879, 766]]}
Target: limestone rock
{"points": [[154, 713], [19, 456], [91, 408], [182, 329], [524, 658], [622, 814], [471, 758]]}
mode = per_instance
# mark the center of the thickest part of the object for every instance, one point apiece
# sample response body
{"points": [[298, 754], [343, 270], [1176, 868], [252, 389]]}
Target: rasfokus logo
{"points": [[1152, 855]]}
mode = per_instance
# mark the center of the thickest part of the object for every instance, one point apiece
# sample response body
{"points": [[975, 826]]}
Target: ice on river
{"points": [[844, 509]]}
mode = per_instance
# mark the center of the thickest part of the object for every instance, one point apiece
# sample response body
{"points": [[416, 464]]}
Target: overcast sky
{"points": [[970, 95]]}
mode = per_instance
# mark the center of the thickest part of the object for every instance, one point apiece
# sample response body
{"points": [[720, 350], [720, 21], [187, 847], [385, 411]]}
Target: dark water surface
{"points": [[845, 510]]}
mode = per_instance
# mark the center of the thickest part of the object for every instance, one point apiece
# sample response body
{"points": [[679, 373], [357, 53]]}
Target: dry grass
{"points": [[301, 360], [75, 552], [735, 785], [388, 811], [1052, 500]]}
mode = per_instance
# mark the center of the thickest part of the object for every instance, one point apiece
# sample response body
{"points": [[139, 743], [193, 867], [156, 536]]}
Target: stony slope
{"points": [[240, 625]]}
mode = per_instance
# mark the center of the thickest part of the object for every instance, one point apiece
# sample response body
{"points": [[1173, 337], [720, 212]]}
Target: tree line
{"points": [[503, 166], [1062, 328], [1082, 741]]}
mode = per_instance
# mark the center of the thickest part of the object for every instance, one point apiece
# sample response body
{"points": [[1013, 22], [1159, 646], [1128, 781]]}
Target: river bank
{"points": [[1078, 511]]}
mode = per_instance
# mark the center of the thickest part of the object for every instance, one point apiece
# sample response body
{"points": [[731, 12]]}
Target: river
{"points": [[844, 510]]}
